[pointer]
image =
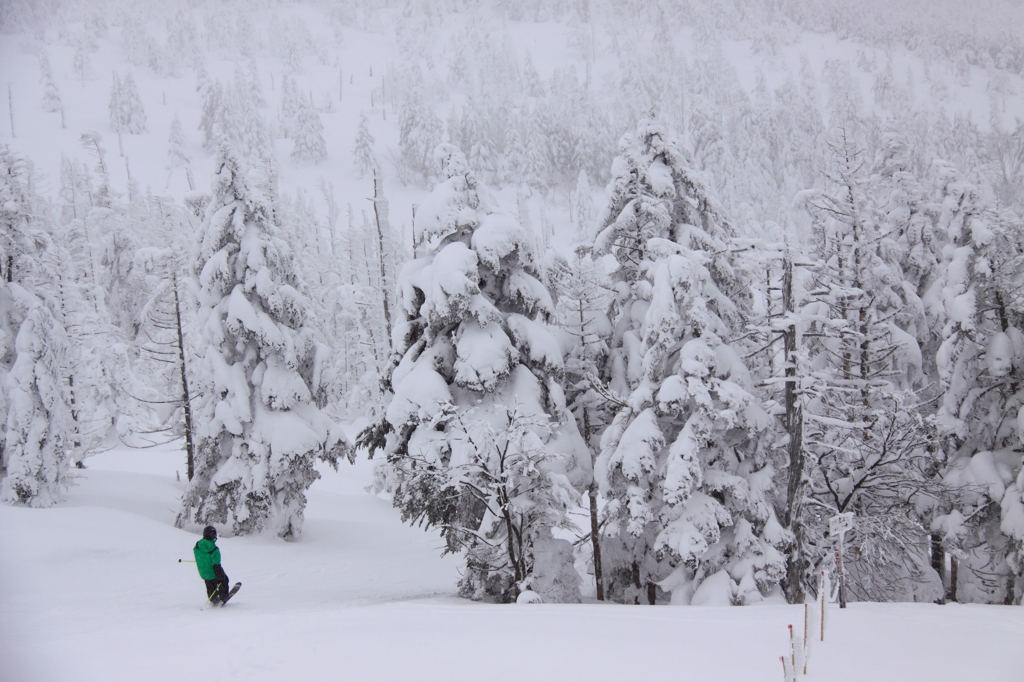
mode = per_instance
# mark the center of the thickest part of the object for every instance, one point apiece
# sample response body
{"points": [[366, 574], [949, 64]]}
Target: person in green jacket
{"points": [[208, 562]]}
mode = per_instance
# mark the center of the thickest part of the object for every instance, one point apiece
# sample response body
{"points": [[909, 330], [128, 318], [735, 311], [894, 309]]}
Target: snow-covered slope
{"points": [[92, 590]]}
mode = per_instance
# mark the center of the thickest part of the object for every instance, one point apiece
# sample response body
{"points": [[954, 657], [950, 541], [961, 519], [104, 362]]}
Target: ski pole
{"points": [[186, 561]]}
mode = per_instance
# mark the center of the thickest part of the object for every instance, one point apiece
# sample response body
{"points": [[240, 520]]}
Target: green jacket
{"points": [[207, 555]]}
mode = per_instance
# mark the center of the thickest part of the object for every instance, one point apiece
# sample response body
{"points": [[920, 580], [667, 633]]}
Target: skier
{"points": [[208, 562]]}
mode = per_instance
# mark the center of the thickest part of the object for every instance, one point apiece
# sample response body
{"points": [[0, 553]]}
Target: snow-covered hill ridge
{"points": [[489, 77], [93, 590]]}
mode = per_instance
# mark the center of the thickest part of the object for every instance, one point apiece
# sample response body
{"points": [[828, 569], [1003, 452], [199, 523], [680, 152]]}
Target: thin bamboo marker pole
{"points": [[792, 648], [807, 618], [10, 105], [821, 592]]}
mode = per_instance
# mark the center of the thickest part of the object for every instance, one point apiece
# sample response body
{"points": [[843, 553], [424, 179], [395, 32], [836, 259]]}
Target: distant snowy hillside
{"points": [[489, 75]]}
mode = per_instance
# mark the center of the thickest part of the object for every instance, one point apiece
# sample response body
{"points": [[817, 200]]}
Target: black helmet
{"points": [[209, 533]]}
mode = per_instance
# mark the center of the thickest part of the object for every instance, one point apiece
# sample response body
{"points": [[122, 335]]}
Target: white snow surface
{"points": [[92, 590]]}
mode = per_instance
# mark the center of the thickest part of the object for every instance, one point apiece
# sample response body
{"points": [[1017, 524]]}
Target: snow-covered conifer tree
{"points": [[126, 111], [683, 466], [169, 324], [531, 79], [365, 159], [535, 168], [51, 95], [177, 154], [92, 142], [94, 364], [308, 134], [81, 63], [477, 435], [135, 114], [584, 292], [250, 82], [291, 102], [355, 287], [419, 132], [75, 189], [981, 367], [252, 135], [17, 207], [211, 120], [513, 161], [917, 240], [116, 104], [583, 208], [35, 466], [259, 431], [34, 459], [241, 120], [472, 133]]}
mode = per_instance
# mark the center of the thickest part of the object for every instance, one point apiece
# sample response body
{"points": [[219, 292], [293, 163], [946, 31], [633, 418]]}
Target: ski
{"points": [[214, 601], [232, 593]]}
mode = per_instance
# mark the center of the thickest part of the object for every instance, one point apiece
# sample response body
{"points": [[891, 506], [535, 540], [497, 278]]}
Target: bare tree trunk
{"points": [[796, 564], [76, 441], [595, 540], [595, 529], [186, 396], [939, 560], [953, 569], [380, 213], [516, 567]]}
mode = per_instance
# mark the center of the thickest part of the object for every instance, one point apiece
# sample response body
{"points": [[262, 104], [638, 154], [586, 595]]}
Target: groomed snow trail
{"points": [[92, 590]]}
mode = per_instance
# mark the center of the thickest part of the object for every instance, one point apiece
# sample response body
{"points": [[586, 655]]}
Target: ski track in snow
{"points": [[92, 590]]}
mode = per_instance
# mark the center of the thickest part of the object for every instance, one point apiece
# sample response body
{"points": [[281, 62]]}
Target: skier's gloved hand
{"points": [[219, 572]]}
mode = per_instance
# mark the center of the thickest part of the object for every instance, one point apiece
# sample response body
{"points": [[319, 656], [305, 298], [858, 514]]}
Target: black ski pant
{"points": [[217, 587]]}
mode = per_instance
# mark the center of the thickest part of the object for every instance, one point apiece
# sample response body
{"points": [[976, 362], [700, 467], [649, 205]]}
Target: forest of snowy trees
{"points": [[660, 301]]}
